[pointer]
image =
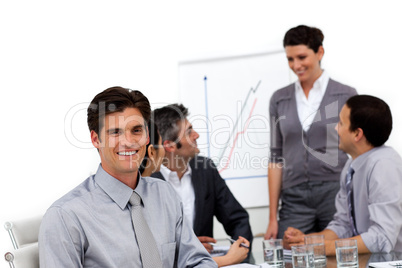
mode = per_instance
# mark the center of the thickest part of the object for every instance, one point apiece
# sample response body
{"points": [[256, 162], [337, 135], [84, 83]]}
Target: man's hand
{"points": [[293, 237], [205, 240], [272, 230]]}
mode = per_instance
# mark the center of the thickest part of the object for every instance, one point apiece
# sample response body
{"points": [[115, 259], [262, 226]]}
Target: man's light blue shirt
{"points": [[91, 226], [377, 188]]}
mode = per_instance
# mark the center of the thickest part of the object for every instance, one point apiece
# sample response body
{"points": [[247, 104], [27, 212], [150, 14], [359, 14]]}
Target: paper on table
{"points": [[219, 251], [287, 253], [386, 264]]}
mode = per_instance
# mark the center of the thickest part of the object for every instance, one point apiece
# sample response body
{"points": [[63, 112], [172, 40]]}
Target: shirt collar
{"points": [[115, 189], [319, 84], [359, 161], [166, 172]]}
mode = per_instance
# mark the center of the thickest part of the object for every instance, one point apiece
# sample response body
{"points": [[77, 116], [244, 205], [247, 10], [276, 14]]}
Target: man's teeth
{"points": [[127, 153]]}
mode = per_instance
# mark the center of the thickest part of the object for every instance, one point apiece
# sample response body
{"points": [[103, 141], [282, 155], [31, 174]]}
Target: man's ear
{"points": [[169, 146], [359, 134], [95, 139]]}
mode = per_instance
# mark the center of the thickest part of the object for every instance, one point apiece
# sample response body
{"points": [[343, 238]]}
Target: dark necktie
{"points": [[146, 241], [349, 189]]}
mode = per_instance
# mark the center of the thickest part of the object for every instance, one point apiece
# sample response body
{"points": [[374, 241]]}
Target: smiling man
{"points": [[116, 218]]}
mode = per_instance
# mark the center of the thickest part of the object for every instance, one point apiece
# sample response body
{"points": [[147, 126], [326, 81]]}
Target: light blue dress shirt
{"points": [[91, 227], [377, 193]]}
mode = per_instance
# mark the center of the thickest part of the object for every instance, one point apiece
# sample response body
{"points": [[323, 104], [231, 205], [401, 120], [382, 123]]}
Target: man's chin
{"points": [[341, 148], [197, 152]]}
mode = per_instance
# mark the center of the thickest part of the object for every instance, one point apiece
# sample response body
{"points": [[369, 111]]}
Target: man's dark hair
{"points": [[115, 99], [373, 116], [167, 118], [304, 35]]}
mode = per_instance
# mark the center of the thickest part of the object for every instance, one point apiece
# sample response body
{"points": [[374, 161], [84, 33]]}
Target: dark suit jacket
{"points": [[213, 197]]}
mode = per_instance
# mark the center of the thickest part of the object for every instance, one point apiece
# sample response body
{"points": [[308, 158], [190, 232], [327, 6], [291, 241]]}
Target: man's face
{"points": [[122, 142], [346, 137], [188, 140]]}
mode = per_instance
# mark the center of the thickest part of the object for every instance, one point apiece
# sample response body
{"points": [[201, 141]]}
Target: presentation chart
{"points": [[228, 100]]}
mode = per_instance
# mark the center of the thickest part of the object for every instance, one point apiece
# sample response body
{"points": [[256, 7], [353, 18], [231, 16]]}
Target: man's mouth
{"points": [[127, 153]]}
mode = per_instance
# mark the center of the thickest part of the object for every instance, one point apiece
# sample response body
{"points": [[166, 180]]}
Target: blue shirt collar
{"points": [[358, 162]]}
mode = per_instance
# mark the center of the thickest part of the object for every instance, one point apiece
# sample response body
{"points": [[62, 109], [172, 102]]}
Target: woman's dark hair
{"points": [[373, 116], [304, 35], [154, 139]]}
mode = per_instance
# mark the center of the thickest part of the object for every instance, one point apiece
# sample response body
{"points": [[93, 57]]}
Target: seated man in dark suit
{"points": [[196, 179]]}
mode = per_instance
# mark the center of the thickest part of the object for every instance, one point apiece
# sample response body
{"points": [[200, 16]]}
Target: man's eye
{"points": [[114, 132], [137, 131]]}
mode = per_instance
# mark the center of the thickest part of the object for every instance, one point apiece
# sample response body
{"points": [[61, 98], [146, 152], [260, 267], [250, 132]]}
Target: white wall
{"points": [[56, 55]]}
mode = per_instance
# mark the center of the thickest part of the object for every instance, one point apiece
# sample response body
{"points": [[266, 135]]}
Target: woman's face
{"points": [[304, 62], [160, 154]]}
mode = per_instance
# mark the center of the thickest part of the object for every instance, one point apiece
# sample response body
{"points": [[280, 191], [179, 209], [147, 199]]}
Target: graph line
{"points": [[237, 136], [207, 114], [237, 120]]}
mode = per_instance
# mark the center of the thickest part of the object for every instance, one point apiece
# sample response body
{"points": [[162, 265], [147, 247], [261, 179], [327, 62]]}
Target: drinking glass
{"points": [[346, 253], [273, 252], [317, 241], [303, 256]]}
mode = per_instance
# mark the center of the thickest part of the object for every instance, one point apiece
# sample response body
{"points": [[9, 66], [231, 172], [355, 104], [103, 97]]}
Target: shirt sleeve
{"points": [[58, 240], [191, 253], [385, 206], [340, 224]]}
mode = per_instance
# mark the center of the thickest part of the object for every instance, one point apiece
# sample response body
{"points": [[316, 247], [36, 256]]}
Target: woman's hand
{"points": [[238, 253]]}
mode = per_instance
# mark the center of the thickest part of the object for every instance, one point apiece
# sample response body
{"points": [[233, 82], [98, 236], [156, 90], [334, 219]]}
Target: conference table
{"points": [[364, 259]]}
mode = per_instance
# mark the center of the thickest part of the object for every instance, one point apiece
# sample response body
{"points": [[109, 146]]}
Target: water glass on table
{"points": [[273, 252], [303, 256], [318, 243], [346, 253]]}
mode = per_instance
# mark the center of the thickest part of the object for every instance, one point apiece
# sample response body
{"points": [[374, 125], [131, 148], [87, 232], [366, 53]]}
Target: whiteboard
{"points": [[228, 100]]}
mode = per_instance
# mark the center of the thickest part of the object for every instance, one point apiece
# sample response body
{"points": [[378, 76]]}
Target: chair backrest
{"points": [[23, 232], [26, 257]]}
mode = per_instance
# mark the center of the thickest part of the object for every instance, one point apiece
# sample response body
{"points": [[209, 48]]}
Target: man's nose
{"points": [[195, 135], [128, 139]]}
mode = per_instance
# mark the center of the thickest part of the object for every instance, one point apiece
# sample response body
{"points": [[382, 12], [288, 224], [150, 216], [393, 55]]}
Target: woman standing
{"points": [[305, 162]]}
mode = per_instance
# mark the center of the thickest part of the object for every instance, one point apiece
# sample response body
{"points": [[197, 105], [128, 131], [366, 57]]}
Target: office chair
{"points": [[23, 232], [25, 257]]}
